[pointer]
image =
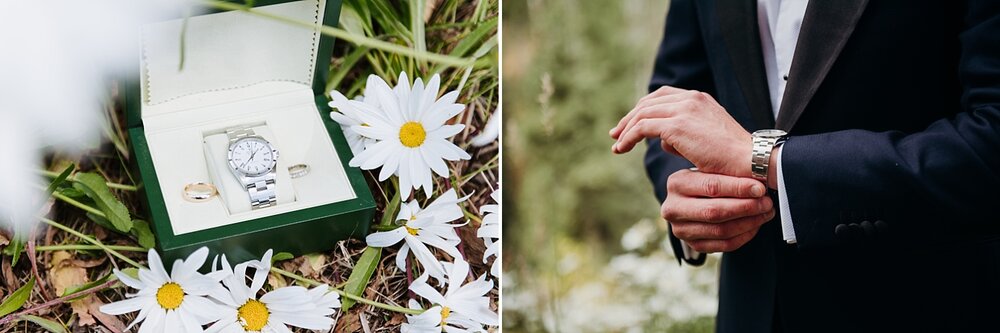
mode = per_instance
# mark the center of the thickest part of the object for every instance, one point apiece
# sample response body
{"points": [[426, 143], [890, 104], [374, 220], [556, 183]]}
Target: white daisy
{"points": [[347, 117], [411, 134], [490, 230], [170, 303], [424, 227], [276, 310], [464, 308]]}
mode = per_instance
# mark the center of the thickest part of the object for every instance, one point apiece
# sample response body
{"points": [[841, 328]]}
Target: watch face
{"points": [[770, 133], [252, 156]]}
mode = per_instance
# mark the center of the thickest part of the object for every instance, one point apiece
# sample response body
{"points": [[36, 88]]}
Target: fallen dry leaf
{"points": [[65, 273], [109, 321], [349, 322], [397, 319], [8, 274], [276, 281], [81, 308], [312, 264]]}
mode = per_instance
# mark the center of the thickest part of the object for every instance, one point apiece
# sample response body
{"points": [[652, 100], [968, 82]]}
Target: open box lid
{"points": [[228, 51]]}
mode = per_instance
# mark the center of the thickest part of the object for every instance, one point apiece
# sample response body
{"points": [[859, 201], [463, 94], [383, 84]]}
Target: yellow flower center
{"points": [[412, 134], [445, 312], [412, 231], [170, 296], [253, 315]]}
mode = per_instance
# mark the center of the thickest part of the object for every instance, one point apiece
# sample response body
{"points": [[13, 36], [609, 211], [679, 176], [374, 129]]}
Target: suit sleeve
{"points": [[680, 62], [944, 180]]}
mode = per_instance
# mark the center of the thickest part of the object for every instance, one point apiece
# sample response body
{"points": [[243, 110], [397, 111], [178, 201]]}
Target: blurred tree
{"points": [[571, 69]]}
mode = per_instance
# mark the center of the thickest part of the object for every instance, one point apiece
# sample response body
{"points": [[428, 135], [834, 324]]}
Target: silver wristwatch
{"points": [[763, 143], [252, 159]]}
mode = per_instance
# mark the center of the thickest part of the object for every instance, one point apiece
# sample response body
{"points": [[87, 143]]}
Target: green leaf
{"points": [[281, 256], [48, 325], [96, 188], [71, 192], [362, 272], [142, 232], [14, 249], [101, 221], [59, 180], [17, 298], [389, 215]]}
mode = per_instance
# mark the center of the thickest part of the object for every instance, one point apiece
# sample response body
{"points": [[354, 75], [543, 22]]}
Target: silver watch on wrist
{"points": [[253, 161], [764, 142]]}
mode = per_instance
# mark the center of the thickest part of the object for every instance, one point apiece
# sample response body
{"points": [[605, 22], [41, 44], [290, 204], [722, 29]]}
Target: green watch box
{"points": [[199, 75]]}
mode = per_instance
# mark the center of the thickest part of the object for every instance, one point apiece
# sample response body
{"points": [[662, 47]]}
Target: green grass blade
{"points": [[360, 275], [15, 248], [16, 299], [417, 24], [352, 38], [344, 67], [59, 180], [48, 325]]}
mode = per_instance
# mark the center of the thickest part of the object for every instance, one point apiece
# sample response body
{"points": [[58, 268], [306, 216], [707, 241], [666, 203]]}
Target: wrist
{"points": [[763, 156], [772, 172]]}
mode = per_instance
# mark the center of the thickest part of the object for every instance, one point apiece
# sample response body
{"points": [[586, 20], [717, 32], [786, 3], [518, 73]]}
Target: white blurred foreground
{"points": [[56, 59]]}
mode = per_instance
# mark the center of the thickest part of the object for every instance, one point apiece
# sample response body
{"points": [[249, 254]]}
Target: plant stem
{"points": [[60, 300], [73, 247], [471, 216], [352, 38], [489, 165], [92, 241], [356, 298], [116, 186], [78, 204]]}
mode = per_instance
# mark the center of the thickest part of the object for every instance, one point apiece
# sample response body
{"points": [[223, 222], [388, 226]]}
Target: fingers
{"points": [[700, 184], [663, 91], [722, 245], [654, 107], [679, 208], [656, 98], [669, 148], [644, 128], [694, 231]]}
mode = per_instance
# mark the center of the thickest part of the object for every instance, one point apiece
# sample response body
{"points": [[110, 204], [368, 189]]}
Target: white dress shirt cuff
{"points": [[787, 229]]}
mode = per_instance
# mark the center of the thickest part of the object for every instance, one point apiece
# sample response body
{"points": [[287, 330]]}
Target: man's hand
{"points": [[691, 124], [715, 213]]}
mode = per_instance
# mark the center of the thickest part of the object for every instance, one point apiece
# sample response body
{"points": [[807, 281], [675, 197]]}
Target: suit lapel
{"points": [[738, 26], [826, 27]]}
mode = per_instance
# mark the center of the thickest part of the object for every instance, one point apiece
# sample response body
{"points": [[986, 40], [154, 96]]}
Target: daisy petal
{"points": [[156, 267], [420, 287], [404, 251], [431, 92], [153, 323], [385, 238], [128, 280], [436, 163], [124, 306]]}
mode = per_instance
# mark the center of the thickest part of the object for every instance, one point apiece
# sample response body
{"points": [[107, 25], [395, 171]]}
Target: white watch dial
{"points": [[252, 156]]}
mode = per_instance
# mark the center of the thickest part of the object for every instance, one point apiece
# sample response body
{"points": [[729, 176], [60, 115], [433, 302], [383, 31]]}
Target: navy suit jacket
{"points": [[892, 168]]}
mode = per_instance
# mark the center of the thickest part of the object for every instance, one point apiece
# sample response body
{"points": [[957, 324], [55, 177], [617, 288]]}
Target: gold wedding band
{"points": [[199, 192], [298, 170]]}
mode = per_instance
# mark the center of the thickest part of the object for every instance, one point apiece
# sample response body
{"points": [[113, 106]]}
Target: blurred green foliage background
{"points": [[584, 247]]}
